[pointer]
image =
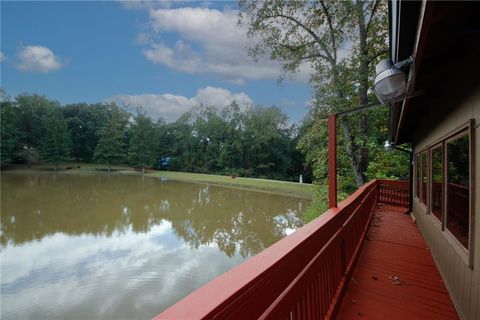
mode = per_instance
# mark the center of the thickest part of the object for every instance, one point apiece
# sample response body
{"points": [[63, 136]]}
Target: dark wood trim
{"points": [[467, 128], [472, 171], [465, 253], [425, 203], [438, 222], [451, 133]]}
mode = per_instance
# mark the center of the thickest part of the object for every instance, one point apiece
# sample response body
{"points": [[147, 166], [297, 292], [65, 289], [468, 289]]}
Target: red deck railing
{"points": [[393, 192], [302, 276]]}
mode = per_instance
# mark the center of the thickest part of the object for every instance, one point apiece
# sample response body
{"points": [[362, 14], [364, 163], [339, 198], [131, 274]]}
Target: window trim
{"points": [[417, 175], [469, 126], [461, 133], [438, 222], [425, 204]]}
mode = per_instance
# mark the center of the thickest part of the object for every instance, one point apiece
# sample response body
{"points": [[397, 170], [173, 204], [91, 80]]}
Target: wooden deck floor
{"points": [[395, 277]]}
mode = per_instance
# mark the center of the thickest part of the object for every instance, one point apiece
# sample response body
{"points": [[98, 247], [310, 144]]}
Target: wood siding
{"points": [[462, 280]]}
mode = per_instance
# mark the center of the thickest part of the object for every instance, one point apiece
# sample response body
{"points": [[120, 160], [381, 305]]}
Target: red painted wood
{"points": [[306, 275], [395, 249], [288, 266], [393, 192], [332, 160]]}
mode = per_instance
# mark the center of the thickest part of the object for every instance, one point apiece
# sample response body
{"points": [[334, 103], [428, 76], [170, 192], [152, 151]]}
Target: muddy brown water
{"points": [[123, 247]]}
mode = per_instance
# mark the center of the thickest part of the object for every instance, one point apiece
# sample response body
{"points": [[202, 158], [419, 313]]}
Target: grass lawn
{"points": [[303, 190]]}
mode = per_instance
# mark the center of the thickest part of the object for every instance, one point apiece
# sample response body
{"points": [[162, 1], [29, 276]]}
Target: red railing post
{"points": [[332, 161]]}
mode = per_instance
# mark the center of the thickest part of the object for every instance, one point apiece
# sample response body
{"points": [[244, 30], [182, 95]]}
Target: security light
{"points": [[390, 82], [388, 146]]}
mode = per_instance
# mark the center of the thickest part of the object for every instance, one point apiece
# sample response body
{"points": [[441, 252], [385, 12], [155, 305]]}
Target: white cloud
{"points": [[37, 59], [143, 38], [170, 107], [221, 45], [220, 98], [285, 102], [2, 57], [181, 57]]}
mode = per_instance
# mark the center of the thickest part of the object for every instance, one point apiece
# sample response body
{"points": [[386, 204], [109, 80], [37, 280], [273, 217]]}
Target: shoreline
{"points": [[287, 188]]}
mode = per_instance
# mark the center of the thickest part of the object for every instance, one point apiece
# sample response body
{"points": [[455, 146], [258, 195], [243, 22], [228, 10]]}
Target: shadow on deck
{"points": [[395, 276]]}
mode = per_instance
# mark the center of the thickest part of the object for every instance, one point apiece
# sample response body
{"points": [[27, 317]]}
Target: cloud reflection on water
{"points": [[100, 247]]}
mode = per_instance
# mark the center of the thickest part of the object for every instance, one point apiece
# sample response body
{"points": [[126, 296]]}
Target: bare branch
{"points": [[330, 26], [317, 39], [372, 14], [375, 56], [297, 48], [314, 55]]}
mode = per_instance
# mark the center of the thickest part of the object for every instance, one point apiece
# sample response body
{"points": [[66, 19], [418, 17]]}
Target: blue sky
{"points": [[165, 56]]}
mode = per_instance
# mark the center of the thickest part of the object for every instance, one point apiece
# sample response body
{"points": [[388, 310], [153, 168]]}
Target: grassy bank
{"points": [[303, 190]]}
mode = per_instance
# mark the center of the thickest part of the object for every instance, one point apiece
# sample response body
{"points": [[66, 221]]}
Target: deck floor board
{"points": [[395, 277]]}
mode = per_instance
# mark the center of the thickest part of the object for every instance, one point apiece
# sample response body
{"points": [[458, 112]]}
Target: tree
{"points": [[266, 142], [143, 144], [111, 144], [84, 122], [10, 135], [55, 142], [319, 33]]}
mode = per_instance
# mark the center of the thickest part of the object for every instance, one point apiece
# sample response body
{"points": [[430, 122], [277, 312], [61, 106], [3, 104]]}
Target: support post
{"points": [[332, 161]]}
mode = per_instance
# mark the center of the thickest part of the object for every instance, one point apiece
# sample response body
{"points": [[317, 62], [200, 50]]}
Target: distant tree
{"points": [[111, 147], [32, 111], [143, 144], [10, 135], [28, 154], [84, 122], [55, 142], [266, 147]]}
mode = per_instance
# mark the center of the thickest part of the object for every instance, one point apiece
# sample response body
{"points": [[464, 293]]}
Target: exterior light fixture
{"points": [[388, 146], [390, 82]]}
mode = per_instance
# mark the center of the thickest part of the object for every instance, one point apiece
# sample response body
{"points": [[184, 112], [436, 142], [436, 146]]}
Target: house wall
{"points": [[461, 280]]}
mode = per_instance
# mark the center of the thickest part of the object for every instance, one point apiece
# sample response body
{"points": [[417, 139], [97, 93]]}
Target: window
{"points": [[417, 175], [458, 187], [436, 204], [423, 187]]}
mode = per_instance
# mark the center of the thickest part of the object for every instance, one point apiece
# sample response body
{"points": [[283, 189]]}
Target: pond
{"points": [[125, 247]]}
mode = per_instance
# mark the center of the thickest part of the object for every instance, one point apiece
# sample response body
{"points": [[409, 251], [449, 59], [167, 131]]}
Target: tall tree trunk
{"points": [[351, 151], [363, 87], [351, 147]]}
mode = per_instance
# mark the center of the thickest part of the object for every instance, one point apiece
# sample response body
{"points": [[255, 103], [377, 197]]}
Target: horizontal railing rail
{"points": [[393, 192], [302, 276]]}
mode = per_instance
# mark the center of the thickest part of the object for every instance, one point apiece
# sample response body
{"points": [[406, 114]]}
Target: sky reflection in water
{"points": [[88, 247]]}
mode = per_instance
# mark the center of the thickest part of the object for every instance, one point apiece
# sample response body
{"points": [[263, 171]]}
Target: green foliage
{"points": [[32, 111], [254, 142], [84, 123], [142, 145], [111, 147], [55, 141], [319, 203], [320, 33], [10, 139]]}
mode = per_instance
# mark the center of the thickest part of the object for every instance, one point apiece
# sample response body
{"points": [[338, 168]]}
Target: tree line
{"points": [[341, 41], [255, 142]]}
